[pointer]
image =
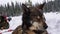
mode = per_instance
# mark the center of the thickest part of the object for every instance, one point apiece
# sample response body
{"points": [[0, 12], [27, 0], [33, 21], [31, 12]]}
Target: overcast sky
{"points": [[2, 2]]}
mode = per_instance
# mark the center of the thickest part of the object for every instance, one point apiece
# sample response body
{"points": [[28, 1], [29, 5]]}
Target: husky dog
{"points": [[33, 21]]}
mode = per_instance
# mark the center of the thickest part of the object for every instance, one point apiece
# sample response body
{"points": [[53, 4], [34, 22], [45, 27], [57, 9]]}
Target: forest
{"points": [[15, 10]]}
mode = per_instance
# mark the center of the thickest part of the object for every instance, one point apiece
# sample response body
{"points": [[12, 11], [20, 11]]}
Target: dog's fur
{"points": [[19, 30], [33, 21]]}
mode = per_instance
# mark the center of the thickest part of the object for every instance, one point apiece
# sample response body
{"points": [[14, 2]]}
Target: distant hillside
{"points": [[14, 10], [11, 10], [52, 6]]}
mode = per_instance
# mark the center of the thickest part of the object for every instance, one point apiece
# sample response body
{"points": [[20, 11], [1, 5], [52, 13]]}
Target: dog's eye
{"points": [[31, 22], [38, 17]]}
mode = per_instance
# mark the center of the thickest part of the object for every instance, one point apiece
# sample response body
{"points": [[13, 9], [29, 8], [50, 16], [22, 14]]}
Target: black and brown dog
{"points": [[4, 24], [33, 21]]}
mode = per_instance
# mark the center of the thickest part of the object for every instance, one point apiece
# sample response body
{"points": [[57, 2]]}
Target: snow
{"points": [[52, 20], [16, 21]]}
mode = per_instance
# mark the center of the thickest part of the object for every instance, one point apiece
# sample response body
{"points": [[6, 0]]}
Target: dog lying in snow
{"points": [[33, 21]]}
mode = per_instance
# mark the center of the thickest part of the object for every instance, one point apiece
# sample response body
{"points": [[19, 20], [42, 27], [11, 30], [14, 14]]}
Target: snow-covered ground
{"points": [[52, 20]]}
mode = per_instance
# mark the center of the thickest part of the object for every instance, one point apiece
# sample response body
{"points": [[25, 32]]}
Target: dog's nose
{"points": [[45, 27]]}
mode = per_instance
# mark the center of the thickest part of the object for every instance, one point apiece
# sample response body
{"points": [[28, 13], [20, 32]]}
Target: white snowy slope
{"points": [[52, 20]]}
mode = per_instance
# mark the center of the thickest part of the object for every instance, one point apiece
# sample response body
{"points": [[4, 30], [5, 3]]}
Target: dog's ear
{"points": [[24, 7], [41, 6]]}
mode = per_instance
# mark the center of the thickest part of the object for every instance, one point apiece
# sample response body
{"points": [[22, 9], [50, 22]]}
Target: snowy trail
{"points": [[52, 20]]}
